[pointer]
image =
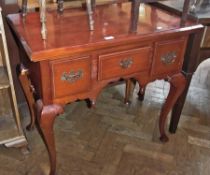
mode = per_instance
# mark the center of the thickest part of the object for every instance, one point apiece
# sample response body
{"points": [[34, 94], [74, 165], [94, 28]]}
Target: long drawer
{"points": [[123, 63]]}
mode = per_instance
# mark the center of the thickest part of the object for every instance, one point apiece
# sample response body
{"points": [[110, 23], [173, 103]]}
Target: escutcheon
{"points": [[125, 64], [72, 76], [169, 57]]}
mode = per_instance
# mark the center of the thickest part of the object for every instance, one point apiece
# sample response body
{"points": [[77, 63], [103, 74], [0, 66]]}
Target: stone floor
{"points": [[115, 139]]}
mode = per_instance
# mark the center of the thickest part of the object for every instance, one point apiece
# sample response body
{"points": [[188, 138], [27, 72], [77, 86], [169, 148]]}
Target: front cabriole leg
{"points": [[46, 116], [177, 85]]}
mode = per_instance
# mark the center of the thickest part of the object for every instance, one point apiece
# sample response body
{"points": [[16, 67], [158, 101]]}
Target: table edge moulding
{"points": [[74, 63]]}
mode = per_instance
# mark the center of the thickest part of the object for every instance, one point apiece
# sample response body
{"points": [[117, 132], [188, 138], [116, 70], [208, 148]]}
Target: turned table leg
{"points": [[24, 7], [60, 6], [134, 15], [46, 116], [43, 19], [177, 86]]}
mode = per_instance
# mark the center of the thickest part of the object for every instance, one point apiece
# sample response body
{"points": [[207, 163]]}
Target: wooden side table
{"points": [[74, 63]]}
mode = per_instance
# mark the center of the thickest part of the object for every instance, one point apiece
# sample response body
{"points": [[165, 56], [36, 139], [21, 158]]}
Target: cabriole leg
{"points": [[177, 109], [46, 116], [177, 86]]}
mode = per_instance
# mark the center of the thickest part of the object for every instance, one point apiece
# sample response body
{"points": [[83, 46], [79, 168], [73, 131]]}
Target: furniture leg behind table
{"points": [[46, 116], [191, 62]]}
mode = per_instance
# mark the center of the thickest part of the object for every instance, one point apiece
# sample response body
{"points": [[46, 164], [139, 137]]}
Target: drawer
{"points": [[123, 63], [169, 56], [71, 76]]}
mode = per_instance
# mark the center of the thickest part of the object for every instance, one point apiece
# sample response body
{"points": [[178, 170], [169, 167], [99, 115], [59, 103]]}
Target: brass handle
{"points": [[72, 76], [169, 57], [125, 64]]}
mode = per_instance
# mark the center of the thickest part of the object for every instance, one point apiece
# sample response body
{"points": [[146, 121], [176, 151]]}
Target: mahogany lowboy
{"points": [[74, 63]]}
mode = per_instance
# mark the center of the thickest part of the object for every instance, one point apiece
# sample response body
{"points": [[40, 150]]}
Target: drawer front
{"points": [[71, 76], [124, 63], [168, 56]]}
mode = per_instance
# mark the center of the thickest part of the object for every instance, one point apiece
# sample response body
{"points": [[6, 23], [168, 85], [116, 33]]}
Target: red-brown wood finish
{"points": [[74, 63], [177, 85], [67, 35], [79, 81], [29, 92], [177, 47], [46, 116], [124, 63]]}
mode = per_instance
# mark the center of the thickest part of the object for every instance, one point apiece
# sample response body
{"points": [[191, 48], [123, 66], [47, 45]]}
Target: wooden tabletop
{"points": [[70, 31]]}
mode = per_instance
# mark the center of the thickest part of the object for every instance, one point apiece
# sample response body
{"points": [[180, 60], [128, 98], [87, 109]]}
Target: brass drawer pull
{"points": [[72, 76], [169, 57], [125, 64]]}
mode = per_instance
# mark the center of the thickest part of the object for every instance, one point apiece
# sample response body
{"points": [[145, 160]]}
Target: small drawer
{"points": [[71, 76], [124, 63], [169, 56]]}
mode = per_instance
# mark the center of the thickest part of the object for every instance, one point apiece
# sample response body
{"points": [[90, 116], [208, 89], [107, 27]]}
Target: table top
{"points": [[201, 14], [69, 32]]}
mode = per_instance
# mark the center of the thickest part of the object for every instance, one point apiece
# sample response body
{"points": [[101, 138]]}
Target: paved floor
{"points": [[115, 139]]}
